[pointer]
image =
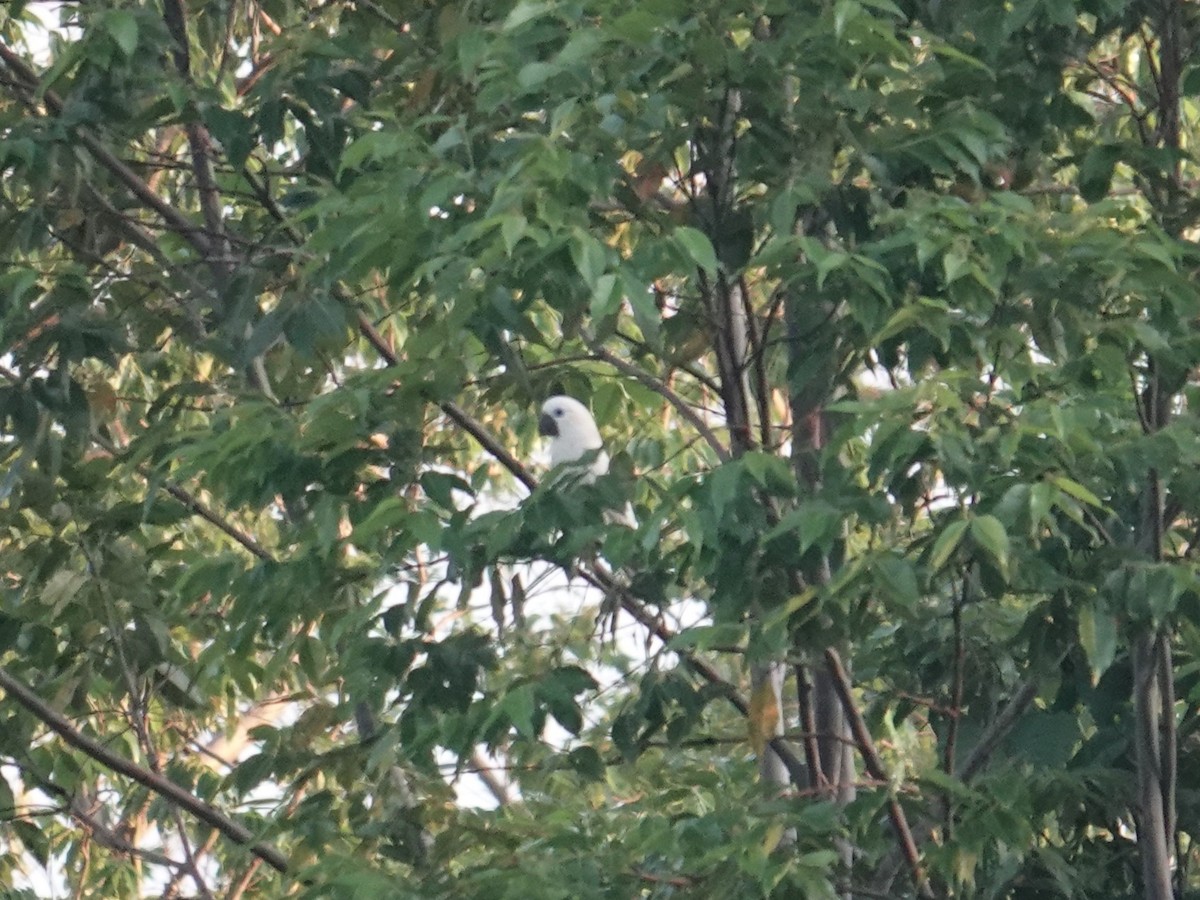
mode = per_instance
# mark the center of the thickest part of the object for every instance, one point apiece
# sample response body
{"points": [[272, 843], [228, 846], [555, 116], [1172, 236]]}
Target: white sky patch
{"points": [[47, 22]]}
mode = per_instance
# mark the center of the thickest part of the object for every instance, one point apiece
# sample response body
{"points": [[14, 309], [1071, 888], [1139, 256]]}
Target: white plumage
{"points": [[574, 438], [573, 435]]}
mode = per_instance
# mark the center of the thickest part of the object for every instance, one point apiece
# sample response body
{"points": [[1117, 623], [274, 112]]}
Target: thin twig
{"points": [[660, 388], [486, 770], [199, 140], [453, 411], [757, 362], [956, 695], [103, 835], [998, 730], [239, 887], [702, 377], [172, 887], [599, 577], [197, 506]]}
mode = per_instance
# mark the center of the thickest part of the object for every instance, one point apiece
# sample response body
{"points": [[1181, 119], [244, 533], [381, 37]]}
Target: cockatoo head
{"points": [[572, 432]]}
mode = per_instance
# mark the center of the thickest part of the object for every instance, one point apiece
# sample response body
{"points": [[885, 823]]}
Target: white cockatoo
{"points": [[573, 436], [575, 439]]}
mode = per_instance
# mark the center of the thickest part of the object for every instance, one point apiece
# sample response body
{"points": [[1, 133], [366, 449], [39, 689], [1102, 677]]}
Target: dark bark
{"points": [[160, 785]]}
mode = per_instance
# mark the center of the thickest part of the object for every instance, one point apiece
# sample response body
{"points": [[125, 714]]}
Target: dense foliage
{"points": [[887, 311]]}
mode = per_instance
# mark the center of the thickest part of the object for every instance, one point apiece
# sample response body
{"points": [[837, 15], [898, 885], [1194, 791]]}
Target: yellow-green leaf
{"points": [[947, 542], [989, 534]]}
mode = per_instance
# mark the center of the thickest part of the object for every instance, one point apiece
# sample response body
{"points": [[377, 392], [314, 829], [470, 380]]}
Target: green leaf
{"points": [[1096, 171], [1076, 490], [698, 247], [1098, 637], [703, 637], [926, 313], [1191, 80], [1047, 739], [63, 587], [235, 132], [827, 263], [34, 839], [535, 73], [636, 26], [843, 12], [587, 762], [590, 257], [512, 229], [955, 264], [122, 26], [946, 543], [6, 795], [440, 486], [940, 48], [385, 516], [898, 578], [71, 56], [988, 533], [251, 772], [518, 705], [606, 298], [525, 11], [645, 311]]}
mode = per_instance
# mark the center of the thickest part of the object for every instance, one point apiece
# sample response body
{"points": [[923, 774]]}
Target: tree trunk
{"points": [[1154, 744]]}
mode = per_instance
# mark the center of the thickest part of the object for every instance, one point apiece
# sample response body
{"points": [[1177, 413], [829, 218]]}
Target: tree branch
{"points": [[600, 578], [57, 723], [875, 769], [701, 377], [453, 411], [192, 233], [485, 769], [998, 730], [105, 836], [656, 385], [199, 141], [197, 506]]}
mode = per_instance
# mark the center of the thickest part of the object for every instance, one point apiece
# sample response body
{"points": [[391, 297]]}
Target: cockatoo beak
{"points": [[547, 427]]}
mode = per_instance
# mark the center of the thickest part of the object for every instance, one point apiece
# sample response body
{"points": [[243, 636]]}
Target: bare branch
{"points": [[956, 694], [656, 385], [866, 747], [199, 141], [486, 770], [165, 788]]}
